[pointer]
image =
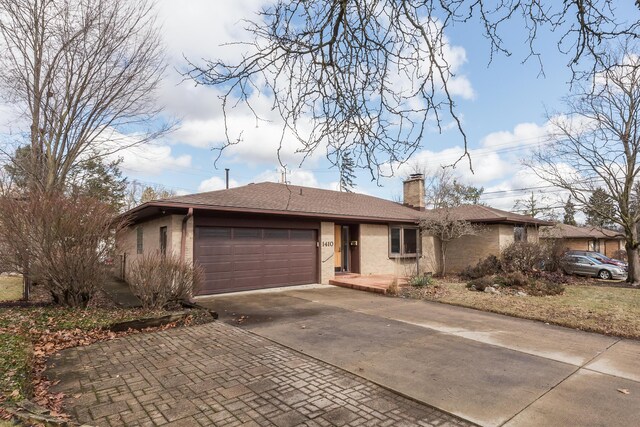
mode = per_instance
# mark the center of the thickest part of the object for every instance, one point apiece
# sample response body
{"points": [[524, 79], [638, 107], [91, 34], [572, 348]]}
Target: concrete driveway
{"points": [[489, 369]]}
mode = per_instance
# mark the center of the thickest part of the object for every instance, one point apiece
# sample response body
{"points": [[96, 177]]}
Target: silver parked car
{"points": [[587, 266]]}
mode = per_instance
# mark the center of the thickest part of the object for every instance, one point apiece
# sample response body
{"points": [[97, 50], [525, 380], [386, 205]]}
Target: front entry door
{"points": [[341, 248]]}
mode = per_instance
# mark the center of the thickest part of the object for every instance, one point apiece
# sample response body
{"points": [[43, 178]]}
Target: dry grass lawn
{"points": [[10, 288], [603, 309]]}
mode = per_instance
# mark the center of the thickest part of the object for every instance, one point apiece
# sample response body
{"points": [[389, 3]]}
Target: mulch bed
{"points": [[431, 291]]}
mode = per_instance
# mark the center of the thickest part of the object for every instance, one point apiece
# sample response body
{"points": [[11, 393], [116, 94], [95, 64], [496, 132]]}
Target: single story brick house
{"points": [[570, 237], [268, 235]]}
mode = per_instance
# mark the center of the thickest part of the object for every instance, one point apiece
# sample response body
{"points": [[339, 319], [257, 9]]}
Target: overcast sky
{"points": [[502, 104]]}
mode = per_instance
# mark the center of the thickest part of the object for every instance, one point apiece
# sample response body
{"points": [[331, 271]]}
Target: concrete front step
{"points": [[378, 284]]}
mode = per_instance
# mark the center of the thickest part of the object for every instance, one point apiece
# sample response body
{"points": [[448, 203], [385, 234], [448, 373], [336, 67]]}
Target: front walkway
{"points": [[220, 375]]}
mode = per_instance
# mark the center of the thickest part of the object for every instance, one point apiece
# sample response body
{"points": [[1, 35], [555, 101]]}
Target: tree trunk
{"points": [[443, 259], [631, 245]]}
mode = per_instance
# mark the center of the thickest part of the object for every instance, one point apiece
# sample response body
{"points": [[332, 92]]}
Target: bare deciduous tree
{"points": [[370, 77], [445, 190], [137, 193], [447, 226], [84, 73], [533, 205], [60, 241], [597, 145]]}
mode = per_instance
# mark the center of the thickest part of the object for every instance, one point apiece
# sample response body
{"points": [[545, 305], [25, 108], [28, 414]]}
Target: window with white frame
{"points": [[403, 241]]}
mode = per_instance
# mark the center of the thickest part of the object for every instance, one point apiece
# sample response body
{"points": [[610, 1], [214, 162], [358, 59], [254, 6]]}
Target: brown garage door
{"points": [[239, 259]]}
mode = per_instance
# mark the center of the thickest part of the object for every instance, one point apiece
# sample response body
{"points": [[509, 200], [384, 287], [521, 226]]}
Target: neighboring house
{"points": [[266, 235], [570, 237]]}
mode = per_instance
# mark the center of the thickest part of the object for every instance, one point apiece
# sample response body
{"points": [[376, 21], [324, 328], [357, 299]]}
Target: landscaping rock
{"points": [[521, 294], [492, 290]]}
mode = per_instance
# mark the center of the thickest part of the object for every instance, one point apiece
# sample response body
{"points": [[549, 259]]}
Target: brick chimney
{"points": [[413, 192]]}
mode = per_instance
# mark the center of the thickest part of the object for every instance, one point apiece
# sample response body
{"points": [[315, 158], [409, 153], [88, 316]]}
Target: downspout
{"points": [[183, 242]]}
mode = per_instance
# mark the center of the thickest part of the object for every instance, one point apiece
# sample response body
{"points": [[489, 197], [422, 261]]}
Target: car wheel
{"points": [[604, 274]]}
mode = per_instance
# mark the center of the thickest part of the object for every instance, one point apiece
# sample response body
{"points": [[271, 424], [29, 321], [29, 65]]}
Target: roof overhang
{"points": [[510, 221], [153, 209]]}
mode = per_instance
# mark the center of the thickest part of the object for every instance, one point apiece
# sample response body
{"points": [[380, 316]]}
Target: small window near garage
{"points": [[403, 241], [139, 237], [520, 233], [395, 240], [163, 241]]}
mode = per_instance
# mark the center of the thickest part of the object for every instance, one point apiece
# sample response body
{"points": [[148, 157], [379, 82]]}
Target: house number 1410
{"points": [[327, 244]]}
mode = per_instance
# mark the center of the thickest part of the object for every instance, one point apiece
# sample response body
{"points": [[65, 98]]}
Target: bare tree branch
{"points": [[82, 72], [596, 147], [370, 78]]}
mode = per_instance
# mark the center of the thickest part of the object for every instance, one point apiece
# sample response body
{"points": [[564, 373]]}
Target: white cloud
{"points": [[301, 177], [487, 166], [461, 86], [216, 183], [152, 159], [259, 139], [522, 135], [199, 28], [450, 58]]}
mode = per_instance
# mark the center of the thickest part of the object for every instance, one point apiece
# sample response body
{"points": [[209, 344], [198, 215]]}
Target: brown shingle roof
{"points": [[292, 199], [486, 214], [273, 198], [560, 231]]}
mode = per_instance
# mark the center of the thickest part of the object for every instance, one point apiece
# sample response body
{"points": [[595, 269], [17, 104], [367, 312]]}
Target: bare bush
{"points": [[485, 267], [159, 280], [523, 257], [61, 241]]}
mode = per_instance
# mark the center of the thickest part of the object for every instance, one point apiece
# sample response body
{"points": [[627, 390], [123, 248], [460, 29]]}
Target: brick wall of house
{"points": [[469, 250], [577, 244], [374, 253], [327, 249], [505, 235], [610, 247], [126, 240]]}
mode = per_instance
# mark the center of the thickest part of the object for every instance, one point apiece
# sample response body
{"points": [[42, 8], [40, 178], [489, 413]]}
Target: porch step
{"points": [[377, 284]]}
